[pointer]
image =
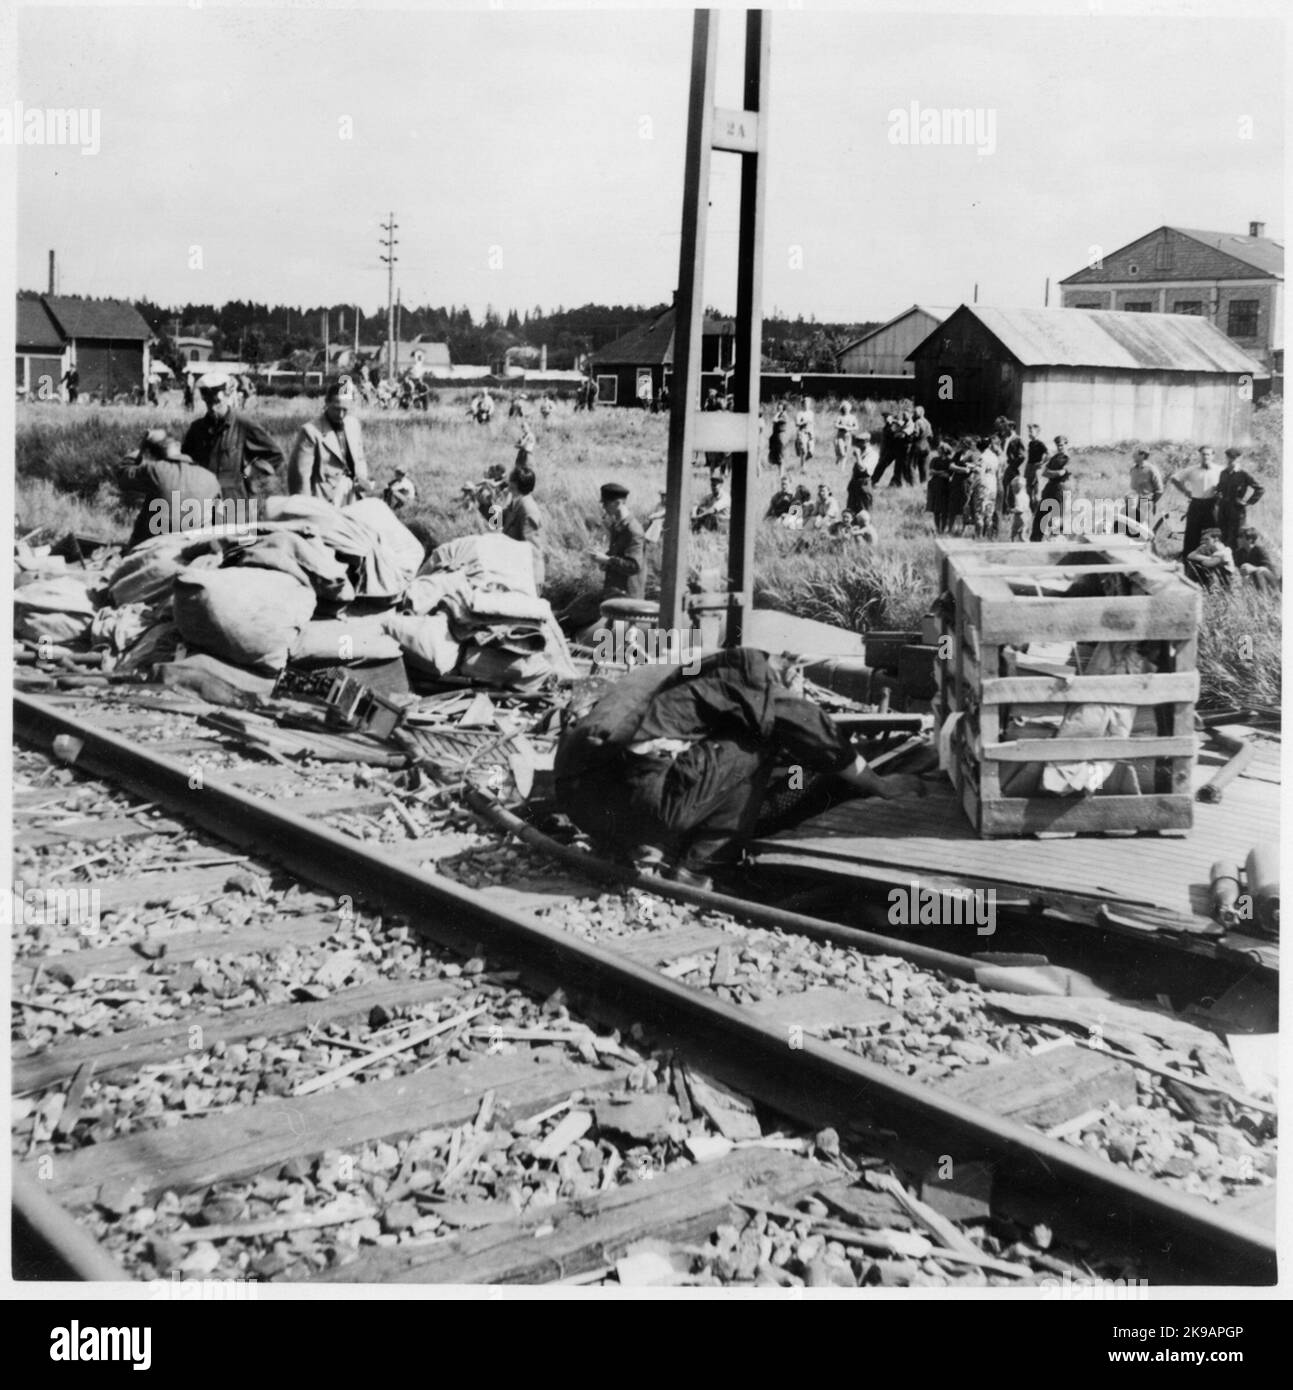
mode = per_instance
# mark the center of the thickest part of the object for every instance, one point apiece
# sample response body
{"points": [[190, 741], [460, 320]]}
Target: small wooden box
{"points": [[1001, 598]]}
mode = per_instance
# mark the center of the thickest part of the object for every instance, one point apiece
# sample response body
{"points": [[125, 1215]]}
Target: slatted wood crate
{"points": [[999, 600]]}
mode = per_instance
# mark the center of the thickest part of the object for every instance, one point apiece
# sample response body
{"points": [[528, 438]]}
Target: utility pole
{"points": [[326, 317], [356, 332], [1046, 297], [390, 228], [744, 131]]}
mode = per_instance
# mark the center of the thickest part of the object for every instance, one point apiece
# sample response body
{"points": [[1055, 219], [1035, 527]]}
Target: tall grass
{"points": [[65, 458]]}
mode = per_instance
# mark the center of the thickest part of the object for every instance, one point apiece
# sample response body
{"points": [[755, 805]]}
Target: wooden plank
{"points": [[681, 1207], [1164, 688], [116, 894], [1084, 750], [658, 948], [239, 1143], [319, 804], [1045, 1089], [721, 431], [1111, 1017], [191, 747], [932, 836], [91, 831], [1092, 814], [180, 947], [1017, 620], [784, 632], [821, 1009], [140, 1047]]}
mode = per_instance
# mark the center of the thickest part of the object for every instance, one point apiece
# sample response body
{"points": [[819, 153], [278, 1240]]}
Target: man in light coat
{"points": [[328, 456]]}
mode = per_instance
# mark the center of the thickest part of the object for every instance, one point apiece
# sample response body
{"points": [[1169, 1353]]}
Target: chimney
{"points": [[1254, 229], [51, 272]]}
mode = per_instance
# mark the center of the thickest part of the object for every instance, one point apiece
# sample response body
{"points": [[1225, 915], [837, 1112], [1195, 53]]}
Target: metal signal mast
{"points": [[390, 227], [734, 432]]}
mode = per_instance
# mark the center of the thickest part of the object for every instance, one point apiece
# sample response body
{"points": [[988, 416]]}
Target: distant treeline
{"points": [[263, 333]]}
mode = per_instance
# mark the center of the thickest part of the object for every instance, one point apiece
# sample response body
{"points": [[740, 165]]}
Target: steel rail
{"points": [[799, 1076]]}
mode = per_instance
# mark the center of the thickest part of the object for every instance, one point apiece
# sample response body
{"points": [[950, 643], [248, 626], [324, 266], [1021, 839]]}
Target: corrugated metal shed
{"points": [[1102, 338], [35, 330], [111, 319]]}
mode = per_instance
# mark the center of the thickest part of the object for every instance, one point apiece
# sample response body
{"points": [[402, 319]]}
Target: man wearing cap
{"points": [[328, 456], [245, 460], [1199, 484], [1145, 490], [623, 561], [177, 494], [1237, 490]]}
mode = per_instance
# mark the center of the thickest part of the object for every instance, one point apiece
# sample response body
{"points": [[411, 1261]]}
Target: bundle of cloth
{"points": [[250, 595], [473, 612]]}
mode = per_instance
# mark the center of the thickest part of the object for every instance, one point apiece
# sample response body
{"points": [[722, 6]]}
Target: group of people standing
{"points": [[998, 483]]}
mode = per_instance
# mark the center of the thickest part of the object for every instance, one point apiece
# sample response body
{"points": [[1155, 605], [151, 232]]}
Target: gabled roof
{"points": [[935, 311], [97, 318], [35, 328], [652, 343], [1261, 253], [433, 354], [1103, 338]]}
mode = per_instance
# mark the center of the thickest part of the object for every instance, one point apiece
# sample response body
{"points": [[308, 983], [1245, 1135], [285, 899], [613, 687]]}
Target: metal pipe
{"points": [[775, 918], [1242, 753], [805, 1078]]}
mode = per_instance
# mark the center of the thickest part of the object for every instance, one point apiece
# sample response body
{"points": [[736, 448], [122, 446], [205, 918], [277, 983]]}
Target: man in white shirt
{"points": [[1199, 484]]}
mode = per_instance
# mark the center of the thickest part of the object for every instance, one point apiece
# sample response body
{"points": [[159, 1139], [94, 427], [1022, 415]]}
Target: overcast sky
{"points": [[536, 157]]}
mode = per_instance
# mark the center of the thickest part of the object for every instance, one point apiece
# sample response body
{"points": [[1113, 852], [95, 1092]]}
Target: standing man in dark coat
{"points": [[245, 460], [1237, 490], [1037, 452]]}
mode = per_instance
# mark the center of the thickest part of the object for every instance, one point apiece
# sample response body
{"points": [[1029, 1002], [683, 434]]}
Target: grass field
{"points": [[65, 457]]}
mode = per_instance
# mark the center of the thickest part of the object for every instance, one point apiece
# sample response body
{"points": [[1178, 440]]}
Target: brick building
{"points": [[1234, 281]]}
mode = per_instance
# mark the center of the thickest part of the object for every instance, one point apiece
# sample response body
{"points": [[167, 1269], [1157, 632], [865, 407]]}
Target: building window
{"points": [[1088, 304], [193, 355], [1133, 269], [1163, 256], [1242, 318], [1188, 306], [1138, 306], [608, 388]]}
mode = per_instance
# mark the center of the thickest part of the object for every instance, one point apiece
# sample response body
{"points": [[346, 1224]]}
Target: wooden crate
{"points": [[999, 598]]}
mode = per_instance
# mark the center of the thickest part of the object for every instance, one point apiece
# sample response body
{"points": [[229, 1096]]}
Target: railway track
{"points": [[316, 1058]]}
